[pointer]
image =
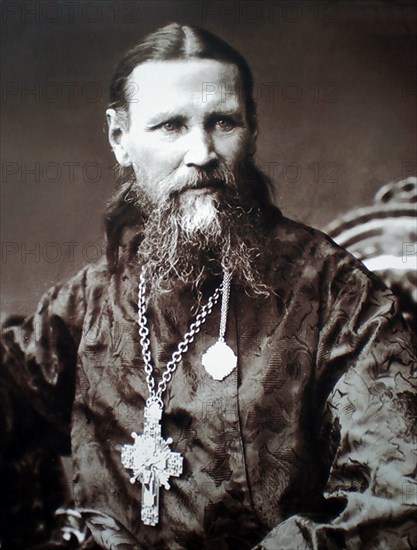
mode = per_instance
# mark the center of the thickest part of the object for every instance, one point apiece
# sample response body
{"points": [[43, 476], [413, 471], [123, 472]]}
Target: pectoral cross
{"points": [[152, 462]]}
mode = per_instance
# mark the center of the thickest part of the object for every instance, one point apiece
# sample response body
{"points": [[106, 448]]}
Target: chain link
{"points": [[225, 305], [195, 326]]}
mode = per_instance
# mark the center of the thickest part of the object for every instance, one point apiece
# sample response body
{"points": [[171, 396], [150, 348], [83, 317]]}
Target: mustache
{"points": [[217, 178]]}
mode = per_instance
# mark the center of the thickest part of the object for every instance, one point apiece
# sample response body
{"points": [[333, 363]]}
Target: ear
{"points": [[117, 124]]}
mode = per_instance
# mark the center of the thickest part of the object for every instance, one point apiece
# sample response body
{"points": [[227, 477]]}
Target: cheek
{"points": [[159, 169], [158, 157], [233, 149]]}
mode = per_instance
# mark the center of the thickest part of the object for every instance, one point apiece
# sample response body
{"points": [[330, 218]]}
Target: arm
{"points": [[366, 380], [39, 355], [37, 377]]}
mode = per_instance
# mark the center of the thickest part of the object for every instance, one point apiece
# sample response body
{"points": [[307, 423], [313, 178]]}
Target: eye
{"points": [[225, 123], [170, 126]]}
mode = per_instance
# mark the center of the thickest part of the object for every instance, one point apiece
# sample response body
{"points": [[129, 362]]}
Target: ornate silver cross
{"points": [[152, 462], [150, 457]]}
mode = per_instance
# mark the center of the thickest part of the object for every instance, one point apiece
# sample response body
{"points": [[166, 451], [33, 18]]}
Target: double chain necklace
{"points": [[150, 457]]}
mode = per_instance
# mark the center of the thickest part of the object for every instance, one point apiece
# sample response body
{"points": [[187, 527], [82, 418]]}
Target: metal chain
{"points": [[156, 395], [225, 305]]}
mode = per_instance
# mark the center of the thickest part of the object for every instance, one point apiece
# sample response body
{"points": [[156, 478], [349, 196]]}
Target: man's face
{"points": [[186, 117], [189, 142]]}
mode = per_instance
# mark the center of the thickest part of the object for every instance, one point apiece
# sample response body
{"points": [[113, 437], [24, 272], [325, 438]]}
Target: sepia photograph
{"points": [[208, 275]]}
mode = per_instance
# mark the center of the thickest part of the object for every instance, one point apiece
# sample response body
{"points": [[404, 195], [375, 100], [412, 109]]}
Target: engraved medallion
{"points": [[219, 360]]}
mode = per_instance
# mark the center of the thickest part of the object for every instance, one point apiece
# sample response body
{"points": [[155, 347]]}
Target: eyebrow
{"points": [[234, 113], [172, 115], [165, 115]]}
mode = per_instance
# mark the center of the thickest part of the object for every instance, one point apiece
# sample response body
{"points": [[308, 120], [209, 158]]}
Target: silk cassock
{"points": [[309, 443]]}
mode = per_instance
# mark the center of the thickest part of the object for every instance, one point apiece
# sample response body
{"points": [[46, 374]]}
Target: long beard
{"points": [[196, 234]]}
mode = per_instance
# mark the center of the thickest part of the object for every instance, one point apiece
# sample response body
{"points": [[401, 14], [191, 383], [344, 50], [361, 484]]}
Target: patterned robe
{"points": [[309, 444]]}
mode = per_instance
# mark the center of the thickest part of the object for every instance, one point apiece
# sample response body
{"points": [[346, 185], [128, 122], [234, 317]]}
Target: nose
{"points": [[201, 151]]}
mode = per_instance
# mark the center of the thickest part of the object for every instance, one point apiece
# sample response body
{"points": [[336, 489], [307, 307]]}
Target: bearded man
{"points": [[230, 379]]}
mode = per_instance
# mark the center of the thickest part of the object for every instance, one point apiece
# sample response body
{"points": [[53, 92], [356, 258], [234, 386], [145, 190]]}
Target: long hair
{"points": [[171, 42]]}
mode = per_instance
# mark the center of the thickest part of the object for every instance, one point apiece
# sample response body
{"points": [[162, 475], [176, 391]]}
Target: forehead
{"points": [[171, 85]]}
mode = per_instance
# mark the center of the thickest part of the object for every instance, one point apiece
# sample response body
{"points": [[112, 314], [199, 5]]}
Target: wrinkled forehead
{"points": [[167, 84]]}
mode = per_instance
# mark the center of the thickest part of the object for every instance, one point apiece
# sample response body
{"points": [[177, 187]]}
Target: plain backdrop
{"points": [[336, 90]]}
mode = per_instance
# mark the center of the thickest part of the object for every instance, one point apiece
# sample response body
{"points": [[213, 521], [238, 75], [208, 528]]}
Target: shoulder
{"points": [[308, 253], [289, 235], [76, 291]]}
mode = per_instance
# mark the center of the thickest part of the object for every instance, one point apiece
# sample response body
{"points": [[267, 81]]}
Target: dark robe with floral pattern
{"points": [[309, 443]]}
